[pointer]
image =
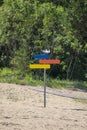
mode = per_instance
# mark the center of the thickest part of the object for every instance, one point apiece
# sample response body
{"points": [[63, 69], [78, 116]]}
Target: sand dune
{"points": [[22, 109]]}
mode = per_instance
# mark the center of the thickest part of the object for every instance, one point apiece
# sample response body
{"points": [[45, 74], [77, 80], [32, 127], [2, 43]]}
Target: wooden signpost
{"points": [[44, 64]]}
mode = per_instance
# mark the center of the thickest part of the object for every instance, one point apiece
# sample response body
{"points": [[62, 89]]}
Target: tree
{"points": [[29, 26], [79, 27]]}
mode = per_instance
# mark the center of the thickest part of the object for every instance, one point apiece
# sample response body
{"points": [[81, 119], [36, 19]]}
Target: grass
{"points": [[13, 76], [84, 101], [54, 83]]}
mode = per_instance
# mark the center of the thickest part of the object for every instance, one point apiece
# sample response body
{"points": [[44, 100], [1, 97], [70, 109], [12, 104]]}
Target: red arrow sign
{"points": [[52, 61]]}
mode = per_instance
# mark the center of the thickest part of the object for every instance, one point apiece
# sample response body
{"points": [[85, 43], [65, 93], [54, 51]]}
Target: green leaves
{"points": [[29, 26]]}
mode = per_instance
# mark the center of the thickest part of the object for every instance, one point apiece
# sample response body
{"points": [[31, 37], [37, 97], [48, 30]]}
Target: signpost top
{"points": [[46, 51]]}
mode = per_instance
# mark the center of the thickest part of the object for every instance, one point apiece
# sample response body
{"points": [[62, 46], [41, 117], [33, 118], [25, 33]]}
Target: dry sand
{"points": [[22, 109]]}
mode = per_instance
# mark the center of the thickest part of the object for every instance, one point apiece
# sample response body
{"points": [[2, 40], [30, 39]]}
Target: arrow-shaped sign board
{"points": [[39, 66], [41, 56], [47, 61]]}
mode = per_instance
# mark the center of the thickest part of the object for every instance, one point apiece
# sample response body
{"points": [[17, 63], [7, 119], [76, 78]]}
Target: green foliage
{"points": [[14, 76], [1, 2], [55, 83], [28, 26]]}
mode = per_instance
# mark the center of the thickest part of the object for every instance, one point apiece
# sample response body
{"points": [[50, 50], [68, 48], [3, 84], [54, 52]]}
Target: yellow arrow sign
{"points": [[39, 66]]}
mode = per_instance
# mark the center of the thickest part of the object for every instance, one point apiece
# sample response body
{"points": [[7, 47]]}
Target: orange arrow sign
{"points": [[52, 61]]}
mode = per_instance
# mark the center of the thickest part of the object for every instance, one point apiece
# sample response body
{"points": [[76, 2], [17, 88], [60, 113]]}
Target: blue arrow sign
{"points": [[41, 56]]}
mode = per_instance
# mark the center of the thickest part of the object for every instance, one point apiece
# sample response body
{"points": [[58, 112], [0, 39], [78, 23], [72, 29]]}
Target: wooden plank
{"points": [[41, 56], [39, 66], [51, 61]]}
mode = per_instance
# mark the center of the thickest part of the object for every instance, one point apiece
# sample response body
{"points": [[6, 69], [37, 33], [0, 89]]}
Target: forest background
{"points": [[29, 26]]}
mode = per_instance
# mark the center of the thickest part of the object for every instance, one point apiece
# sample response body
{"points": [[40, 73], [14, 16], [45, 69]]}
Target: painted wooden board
{"points": [[39, 66], [41, 56], [50, 61]]}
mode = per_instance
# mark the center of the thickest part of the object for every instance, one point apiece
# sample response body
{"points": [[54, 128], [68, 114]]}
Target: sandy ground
{"points": [[22, 109]]}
